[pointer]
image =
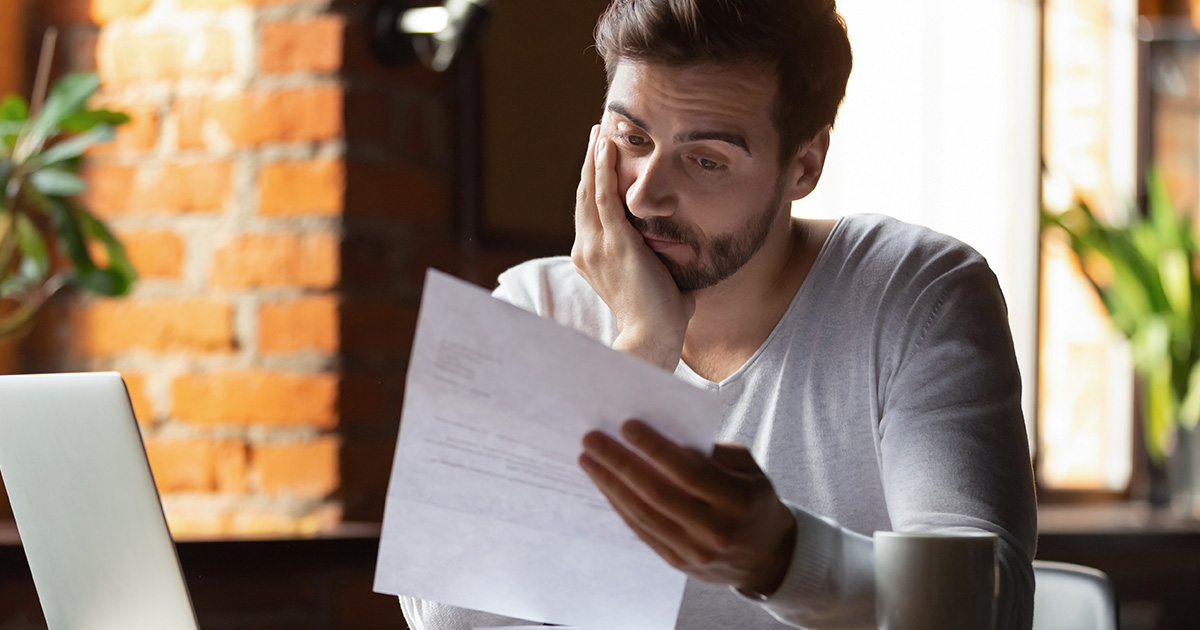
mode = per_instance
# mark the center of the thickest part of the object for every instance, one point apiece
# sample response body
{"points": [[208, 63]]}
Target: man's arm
{"points": [[652, 314]]}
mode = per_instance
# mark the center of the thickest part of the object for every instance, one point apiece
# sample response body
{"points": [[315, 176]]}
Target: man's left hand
{"points": [[717, 519]]}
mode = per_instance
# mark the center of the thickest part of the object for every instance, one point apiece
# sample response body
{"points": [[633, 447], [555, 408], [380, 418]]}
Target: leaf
{"points": [[74, 147], [34, 267], [9, 130], [120, 274], [6, 171], [35, 257], [83, 121], [57, 182], [14, 109], [1175, 270], [1189, 409], [68, 97], [1159, 418], [70, 236]]}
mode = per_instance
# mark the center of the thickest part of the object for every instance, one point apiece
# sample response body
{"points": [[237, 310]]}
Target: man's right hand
{"points": [[652, 314]]}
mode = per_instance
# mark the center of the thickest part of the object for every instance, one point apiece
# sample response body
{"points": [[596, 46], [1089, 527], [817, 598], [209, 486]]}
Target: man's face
{"points": [[697, 163]]}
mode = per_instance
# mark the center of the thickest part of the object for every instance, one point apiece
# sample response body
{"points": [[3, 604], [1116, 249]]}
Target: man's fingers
{"points": [[675, 541], [650, 525], [735, 458], [686, 467], [608, 199], [588, 173], [586, 217], [644, 480]]}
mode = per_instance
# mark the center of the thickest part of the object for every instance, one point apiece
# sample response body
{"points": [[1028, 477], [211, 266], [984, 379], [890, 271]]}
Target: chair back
{"points": [[1072, 597]]}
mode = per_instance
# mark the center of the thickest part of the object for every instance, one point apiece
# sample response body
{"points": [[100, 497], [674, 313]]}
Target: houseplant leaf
{"points": [[73, 147], [8, 135], [13, 113], [75, 227], [1189, 409], [57, 182], [35, 260], [120, 272], [13, 108], [68, 97], [86, 120]]}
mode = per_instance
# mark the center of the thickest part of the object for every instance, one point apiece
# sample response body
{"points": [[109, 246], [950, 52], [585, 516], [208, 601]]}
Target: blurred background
{"points": [[284, 183]]}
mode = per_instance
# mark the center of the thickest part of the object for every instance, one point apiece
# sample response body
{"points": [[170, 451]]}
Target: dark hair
{"points": [[803, 41]]}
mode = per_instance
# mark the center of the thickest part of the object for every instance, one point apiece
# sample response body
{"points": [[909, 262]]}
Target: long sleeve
{"points": [[952, 451]]}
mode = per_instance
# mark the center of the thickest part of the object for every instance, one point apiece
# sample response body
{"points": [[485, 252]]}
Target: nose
{"points": [[651, 193]]}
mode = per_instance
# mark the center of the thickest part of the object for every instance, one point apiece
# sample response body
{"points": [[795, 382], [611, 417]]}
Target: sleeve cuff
{"points": [[830, 568]]}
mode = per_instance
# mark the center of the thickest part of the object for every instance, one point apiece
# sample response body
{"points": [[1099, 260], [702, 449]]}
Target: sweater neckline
{"points": [[684, 370]]}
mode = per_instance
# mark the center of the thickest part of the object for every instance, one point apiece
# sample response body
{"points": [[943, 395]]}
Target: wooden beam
{"points": [[12, 46]]}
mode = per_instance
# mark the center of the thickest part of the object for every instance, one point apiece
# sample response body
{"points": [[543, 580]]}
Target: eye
{"points": [[709, 165], [633, 140]]}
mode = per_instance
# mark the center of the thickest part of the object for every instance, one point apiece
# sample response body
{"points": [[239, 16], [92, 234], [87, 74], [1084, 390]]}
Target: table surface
{"points": [[345, 531], [1129, 518], [1068, 520]]}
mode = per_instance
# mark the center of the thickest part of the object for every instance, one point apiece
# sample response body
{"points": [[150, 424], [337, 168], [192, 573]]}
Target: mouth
{"points": [[661, 245]]}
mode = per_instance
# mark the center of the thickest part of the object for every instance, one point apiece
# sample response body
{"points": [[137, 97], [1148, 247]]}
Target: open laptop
{"points": [[79, 484]]}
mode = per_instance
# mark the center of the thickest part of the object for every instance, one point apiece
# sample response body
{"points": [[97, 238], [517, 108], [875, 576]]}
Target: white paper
{"points": [[487, 507]]}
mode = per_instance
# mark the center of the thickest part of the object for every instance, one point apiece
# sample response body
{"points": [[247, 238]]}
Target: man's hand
{"points": [[716, 519], [652, 314]]}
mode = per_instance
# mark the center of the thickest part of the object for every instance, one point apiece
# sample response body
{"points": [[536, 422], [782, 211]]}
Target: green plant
{"points": [[1146, 275], [40, 156]]}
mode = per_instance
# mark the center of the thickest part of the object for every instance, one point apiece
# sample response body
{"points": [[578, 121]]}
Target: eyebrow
{"points": [[735, 139]]}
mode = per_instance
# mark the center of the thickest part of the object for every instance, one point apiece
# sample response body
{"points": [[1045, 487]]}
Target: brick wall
{"points": [[281, 195]]}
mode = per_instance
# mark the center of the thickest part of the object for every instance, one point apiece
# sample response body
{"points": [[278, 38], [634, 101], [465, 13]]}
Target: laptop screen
{"points": [[86, 507]]}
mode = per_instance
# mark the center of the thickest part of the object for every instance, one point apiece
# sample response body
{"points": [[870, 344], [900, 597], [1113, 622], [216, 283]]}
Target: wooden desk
{"points": [[320, 582], [323, 582]]}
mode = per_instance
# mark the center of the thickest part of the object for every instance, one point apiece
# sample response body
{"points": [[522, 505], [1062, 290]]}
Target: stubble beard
{"points": [[718, 257]]}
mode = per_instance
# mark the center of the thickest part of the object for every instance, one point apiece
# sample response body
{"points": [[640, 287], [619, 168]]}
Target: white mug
{"points": [[935, 581]]}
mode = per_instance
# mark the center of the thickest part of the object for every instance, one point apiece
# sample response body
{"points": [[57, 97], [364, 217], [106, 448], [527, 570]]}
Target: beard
{"points": [[716, 258]]}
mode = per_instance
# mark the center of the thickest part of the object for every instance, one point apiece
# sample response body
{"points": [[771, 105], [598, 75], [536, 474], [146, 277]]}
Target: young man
{"points": [[865, 367]]}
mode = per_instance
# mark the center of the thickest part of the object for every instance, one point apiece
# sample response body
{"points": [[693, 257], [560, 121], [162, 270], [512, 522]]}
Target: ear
{"points": [[806, 166]]}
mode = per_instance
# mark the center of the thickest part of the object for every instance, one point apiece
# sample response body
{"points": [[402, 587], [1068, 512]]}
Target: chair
{"points": [[1072, 597]]}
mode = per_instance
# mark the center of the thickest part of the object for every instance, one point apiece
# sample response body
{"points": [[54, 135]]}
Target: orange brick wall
{"points": [[281, 195]]}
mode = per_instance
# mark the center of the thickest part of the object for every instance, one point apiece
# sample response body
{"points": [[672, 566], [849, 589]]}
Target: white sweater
{"points": [[887, 398]]}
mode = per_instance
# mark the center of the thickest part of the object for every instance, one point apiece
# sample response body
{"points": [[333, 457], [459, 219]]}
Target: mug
{"points": [[935, 581]]}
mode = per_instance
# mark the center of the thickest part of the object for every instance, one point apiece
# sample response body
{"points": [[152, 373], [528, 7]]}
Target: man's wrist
{"points": [[776, 572], [654, 349]]}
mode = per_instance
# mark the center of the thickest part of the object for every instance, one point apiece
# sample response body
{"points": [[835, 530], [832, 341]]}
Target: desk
{"points": [[1152, 557], [320, 582], [324, 582]]}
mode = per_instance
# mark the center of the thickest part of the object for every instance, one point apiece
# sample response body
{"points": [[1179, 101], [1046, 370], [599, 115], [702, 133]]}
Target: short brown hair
{"points": [[804, 41]]}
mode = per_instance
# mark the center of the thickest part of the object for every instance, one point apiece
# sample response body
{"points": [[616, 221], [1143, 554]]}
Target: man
{"points": [[866, 365]]}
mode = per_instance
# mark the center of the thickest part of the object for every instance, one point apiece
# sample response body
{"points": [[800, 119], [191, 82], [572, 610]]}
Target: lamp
{"points": [[434, 35]]}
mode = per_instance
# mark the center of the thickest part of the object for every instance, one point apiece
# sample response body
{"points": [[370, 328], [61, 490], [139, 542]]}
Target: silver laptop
{"points": [[89, 516]]}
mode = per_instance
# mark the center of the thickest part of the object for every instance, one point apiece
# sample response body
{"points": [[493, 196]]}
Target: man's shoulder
{"points": [[555, 271], [892, 250], [537, 284], [551, 287], [879, 235]]}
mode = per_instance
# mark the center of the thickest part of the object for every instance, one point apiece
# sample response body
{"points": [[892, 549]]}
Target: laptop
{"points": [[86, 507]]}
